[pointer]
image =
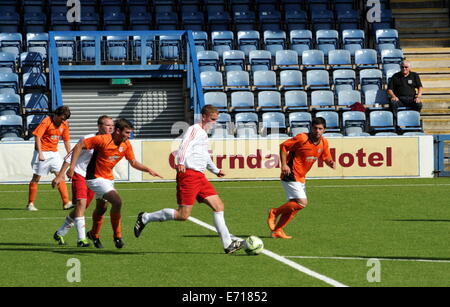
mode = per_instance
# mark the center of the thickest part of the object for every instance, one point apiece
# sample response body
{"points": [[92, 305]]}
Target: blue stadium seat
{"points": [[242, 102], [217, 99], [9, 104], [208, 60], [392, 56], [317, 5], [381, 121], [246, 125], [322, 100], [222, 41], [413, 133], [327, 40], [233, 60], [9, 80], [36, 102], [291, 80], [296, 19], [238, 81], [270, 20], [114, 21], [219, 20], [166, 21], [313, 59], [34, 81], [295, 101], [342, 5], [248, 41], [269, 101], [348, 19], [264, 80], [354, 123], [347, 98], [387, 36], [299, 122], [386, 134], [260, 60], [389, 70], [35, 22], [224, 119], [244, 20], [9, 21], [87, 48], [38, 42], [11, 42], [408, 121], [193, 20], [322, 20], [300, 40], [273, 122], [287, 59], [200, 39], [10, 126], [90, 21], [370, 79], [59, 21], [353, 39], [8, 60], [274, 41], [211, 80], [148, 48], [33, 121], [140, 21], [170, 47], [318, 80], [220, 132], [340, 59], [331, 120], [386, 22], [376, 99], [344, 79], [366, 58], [65, 46], [31, 62]]}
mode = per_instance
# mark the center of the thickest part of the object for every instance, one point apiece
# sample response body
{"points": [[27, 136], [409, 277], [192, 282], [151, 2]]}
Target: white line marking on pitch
{"points": [[365, 259], [277, 257]]}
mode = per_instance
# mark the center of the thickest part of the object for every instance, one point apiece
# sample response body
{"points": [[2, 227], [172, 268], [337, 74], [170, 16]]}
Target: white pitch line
{"points": [[365, 259], [282, 259]]}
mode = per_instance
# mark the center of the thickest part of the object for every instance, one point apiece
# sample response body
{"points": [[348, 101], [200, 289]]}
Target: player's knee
{"points": [[302, 203]]}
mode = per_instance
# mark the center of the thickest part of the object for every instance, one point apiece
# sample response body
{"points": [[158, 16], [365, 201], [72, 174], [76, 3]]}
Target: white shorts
{"points": [[52, 163], [100, 186], [294, 190]]}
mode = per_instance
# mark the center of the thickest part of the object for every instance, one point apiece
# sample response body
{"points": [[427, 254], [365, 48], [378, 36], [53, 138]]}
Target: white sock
{"points": [[159, 216], [222, 229], [80, 224], [64, 229]]}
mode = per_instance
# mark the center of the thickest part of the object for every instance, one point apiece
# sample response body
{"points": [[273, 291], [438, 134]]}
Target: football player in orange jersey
{"points": [[46, 158], [297, 156]]}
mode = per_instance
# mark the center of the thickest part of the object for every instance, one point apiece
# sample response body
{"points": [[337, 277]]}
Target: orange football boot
{"points": [[271, 220], [280, 234]]}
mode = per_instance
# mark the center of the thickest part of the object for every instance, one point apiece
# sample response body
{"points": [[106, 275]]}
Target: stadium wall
{"points": [[257, 159]]}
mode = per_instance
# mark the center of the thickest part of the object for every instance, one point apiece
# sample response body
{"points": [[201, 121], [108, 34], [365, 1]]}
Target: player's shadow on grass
{"points": [[12, 209], [122, 252], [421, 220], [28, 244]]}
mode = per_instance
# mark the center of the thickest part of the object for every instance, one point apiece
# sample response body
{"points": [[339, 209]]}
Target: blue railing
{"points": [[442, 155], [95, 54]]}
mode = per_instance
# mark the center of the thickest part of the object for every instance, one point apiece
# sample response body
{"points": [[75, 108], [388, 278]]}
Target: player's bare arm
{"points": [[75, 154], [285, 169], [330, 163], [38, 147], [67, 146], [60, 177], [141, 167]]}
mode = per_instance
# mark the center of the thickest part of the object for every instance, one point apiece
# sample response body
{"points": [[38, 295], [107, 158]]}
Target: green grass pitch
{"points": [[404, 223]]}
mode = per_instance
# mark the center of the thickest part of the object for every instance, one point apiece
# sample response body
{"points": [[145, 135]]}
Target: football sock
{"points": [[64, 193], [288, 211], [64, 229], [97, 222], [115, 223], [159, 216], [32, 191], [80, 224], [222, 229]]}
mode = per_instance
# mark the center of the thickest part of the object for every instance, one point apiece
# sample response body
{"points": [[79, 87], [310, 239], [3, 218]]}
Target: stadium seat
{"points": [[273, 122], [233, 60], [300, 40], [59, 22], [274, 41], [211, 80], [8, 60], [148, 49], [264, 80], [322, 20], [35, 22], [140, 21], [34, 81], [270, 20], [246, 125], [340, 59], [260, 60], [322, 100], [299, 122], [218, 20], [354, 123], [248, 41], [9, 104], [11, 42], [38, 42], [36, 102], [193, 20], [327, 40], [366, 58], [31, 62], [208, 60], [65, 46], [387, 36], [221, 133], [295, 101], [242, 102], [200, 39], [9, 21], [286, 59], [331, 119], [9, 80], [347, 98], [344, 79], [244, 20], [296, 19], [313, 59], [392, 56], [376, 99], [413, 133], [87, 48], [238, 81], [348, 19], [409, 121], [317, 80], [389, 70], [90, 21], [370, 79], [224, 120], [10, 126], [381, 121], [291, 80], [353, 39], [166, 20], [169, 47], [269, 101], [217, 99], [222, 41]]}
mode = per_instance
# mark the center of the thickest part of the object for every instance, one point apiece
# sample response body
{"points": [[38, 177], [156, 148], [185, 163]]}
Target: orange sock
{"points": [[115, 223], [63, 191], [96, 224], [32, 191], [288, 211]]}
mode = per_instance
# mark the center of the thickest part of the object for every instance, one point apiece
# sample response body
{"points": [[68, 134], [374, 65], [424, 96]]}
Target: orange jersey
{"points": [[106, 155], [50, 134], [302, 155]]}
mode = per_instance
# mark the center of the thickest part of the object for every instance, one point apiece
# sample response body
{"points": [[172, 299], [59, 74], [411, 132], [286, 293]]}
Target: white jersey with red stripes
{"points": [[83, 159], [193, 152]]}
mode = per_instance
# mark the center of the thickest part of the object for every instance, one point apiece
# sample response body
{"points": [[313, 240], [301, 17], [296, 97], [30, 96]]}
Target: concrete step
{"points": [[416, 4], [435, 82], [429, 62], [425, 42], [436, 91], [419, 22], [435, 112], [420, 52]]}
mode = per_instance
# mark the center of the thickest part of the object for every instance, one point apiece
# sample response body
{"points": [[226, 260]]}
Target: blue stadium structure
{"points": [[267, 59]]}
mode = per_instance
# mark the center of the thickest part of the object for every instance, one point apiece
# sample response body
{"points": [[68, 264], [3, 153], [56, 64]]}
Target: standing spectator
{"points": [[402, 89]]}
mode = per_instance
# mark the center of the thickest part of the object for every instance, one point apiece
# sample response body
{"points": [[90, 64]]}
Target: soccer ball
{"points": [[253, 245]]}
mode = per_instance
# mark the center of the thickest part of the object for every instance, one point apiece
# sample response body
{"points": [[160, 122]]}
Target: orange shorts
{"points": [[193, 186]]}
